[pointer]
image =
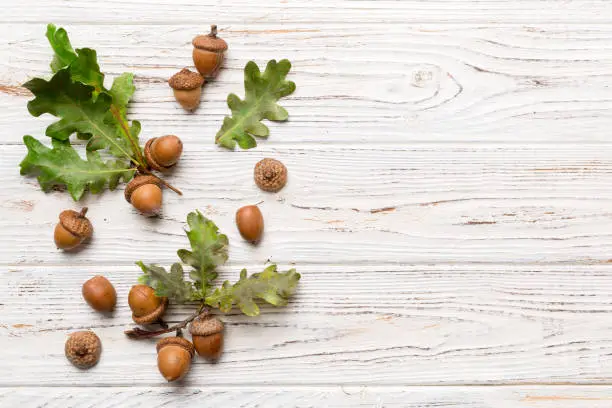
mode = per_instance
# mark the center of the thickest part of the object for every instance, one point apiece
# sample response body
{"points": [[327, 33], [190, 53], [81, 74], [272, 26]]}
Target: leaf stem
{"points": [[164, 182], [128, 134], [138, 333]]}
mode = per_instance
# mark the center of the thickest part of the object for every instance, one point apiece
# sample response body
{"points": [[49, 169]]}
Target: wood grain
{"points": [[362, 84], [463, 204], [449, 324], [315, 12], [301, 397]]}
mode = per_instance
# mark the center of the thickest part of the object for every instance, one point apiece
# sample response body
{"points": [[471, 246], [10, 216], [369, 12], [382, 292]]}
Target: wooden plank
{"points": [[318, 11], [356, 85], [350, 325], [379, 205], [299, 397]]}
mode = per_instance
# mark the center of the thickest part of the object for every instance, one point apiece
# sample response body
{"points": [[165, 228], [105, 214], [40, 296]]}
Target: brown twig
{"points": [[138, 333]]}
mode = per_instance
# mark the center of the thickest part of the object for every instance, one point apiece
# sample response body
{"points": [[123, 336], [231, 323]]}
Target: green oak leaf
{"points": [[262, 91], [73, 103], [167, 284], [85, 69], [122, 91], [62, 166], [270, 286], [209, 249], [64, 53]]}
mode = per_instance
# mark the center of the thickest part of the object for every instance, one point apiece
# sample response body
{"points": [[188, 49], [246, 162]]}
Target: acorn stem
{"points": [[213, 30], [83, 212], [138, 333], [164, 182]]}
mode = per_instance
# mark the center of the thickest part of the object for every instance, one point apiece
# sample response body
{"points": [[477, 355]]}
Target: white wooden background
{"points": [[449, 205]]}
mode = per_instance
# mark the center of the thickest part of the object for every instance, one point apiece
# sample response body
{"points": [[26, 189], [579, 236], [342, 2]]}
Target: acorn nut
{"points": [[73, 228], [174, 356], [187, 87], [83, 349], [100, 294], [145, 194], [270, 175], [207, 335], [146, 307], [163, 152], [208, 52], [250, 223]]}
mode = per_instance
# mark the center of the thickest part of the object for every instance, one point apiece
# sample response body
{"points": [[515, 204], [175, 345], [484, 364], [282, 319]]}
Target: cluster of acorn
{"points": [[174, 354], [208, 53]]}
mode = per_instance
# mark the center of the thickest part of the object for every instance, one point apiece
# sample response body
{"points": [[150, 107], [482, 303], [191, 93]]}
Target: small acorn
{"points": [[207, 335], [146, 307], [250, 223], [187, 87], [145, 194], [100, 294], [83, 349], [163, 152], [174, 355], [208, 52], [73, 228], [270, 175]]}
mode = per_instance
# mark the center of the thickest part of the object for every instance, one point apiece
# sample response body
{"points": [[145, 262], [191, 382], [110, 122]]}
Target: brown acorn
{"points": [[83, 349], [145, 194], [146, 307], [250, 223], [207, 335], [73, 228], [174, 355], [100, 294], [163, 152], [208, 52], [270, 175], [187, 87]]}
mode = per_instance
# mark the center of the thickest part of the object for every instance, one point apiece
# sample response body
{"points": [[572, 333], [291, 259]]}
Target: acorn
{"points": [[83, 349], [174, 355], [146, 307], [100, 294], [208, 52], [270, 175], [250, 223], [73, 229], [187, 87], [163, 152], [145, 194], [207, 335]]}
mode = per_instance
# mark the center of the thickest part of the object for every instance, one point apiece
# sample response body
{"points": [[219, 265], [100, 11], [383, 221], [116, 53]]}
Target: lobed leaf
{"points": [[262, 91], [62, 166], [270, 286], [167, 284]]}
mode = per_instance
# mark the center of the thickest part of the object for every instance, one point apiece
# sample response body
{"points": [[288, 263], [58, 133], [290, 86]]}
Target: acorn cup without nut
{"points": [[83, 349], [72, 230], [208, 53], [270, 175], [145, 194], [174, 356], [207, 334], [187, 86]]}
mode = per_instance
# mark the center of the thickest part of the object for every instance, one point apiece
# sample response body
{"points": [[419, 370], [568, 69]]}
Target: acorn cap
{"points": [[150, 160], [205, 326], [76, 223], [270, 175], [186, 80], [139, 181], [83, 349], [154, 315], [176, 341], [210, 42]]}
